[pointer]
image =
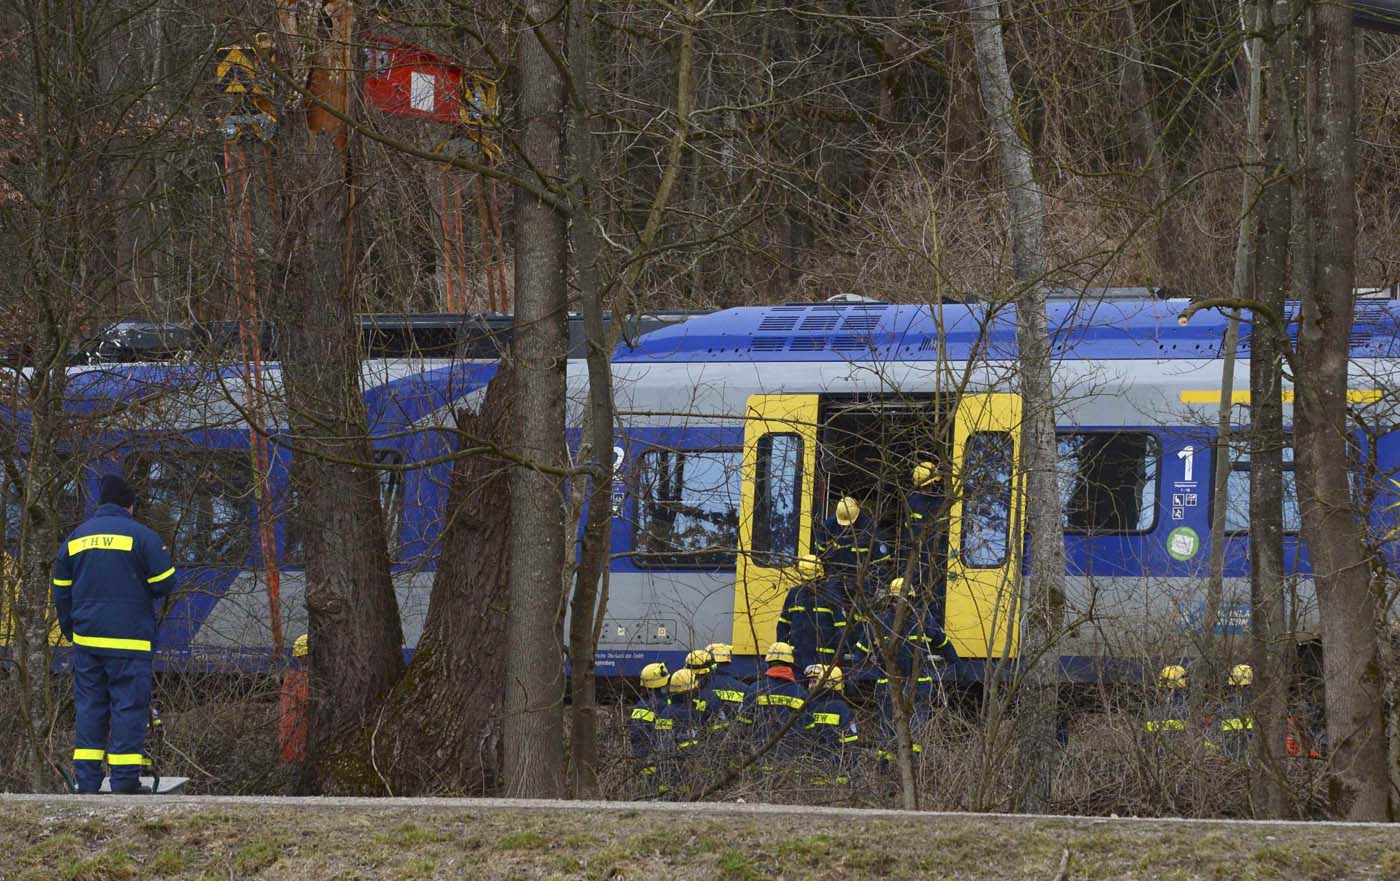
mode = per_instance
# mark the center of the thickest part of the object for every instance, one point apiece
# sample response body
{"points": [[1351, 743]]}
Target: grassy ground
{"points": [[89, 841]]}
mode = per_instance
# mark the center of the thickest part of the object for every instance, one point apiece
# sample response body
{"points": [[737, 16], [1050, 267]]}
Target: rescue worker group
{"points": [[834, 627]]}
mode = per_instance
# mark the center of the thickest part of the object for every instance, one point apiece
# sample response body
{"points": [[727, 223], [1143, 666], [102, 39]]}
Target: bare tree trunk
{"points": [[1271, 645], [353, 622], [585, 609], [1359, 783], [533, 725], [1039, 608], [446, 710]]}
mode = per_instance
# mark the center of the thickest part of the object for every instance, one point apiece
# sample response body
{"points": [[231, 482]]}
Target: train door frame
{"points": [[982, 605]]}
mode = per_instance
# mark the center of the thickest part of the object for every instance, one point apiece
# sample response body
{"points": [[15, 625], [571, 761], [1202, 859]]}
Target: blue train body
{"points": [[696, 555]]}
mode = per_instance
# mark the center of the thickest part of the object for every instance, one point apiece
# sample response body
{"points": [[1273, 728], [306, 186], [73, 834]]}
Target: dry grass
{"points": [[75, 841]]}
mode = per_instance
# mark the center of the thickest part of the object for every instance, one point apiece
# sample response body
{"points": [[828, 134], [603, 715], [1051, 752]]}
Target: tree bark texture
{"points": [[1045, 583], [534, 695], [1359, 780], [445, 713], [1271, 643], [355, 637], [589, 599]]}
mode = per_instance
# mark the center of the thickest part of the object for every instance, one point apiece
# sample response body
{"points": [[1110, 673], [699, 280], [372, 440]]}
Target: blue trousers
{"points": [[113, 697]]}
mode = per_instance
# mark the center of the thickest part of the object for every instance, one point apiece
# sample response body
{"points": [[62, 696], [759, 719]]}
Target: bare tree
{"points": [[534, 700], [355, 635], [1046, 580], [1359, 781]]}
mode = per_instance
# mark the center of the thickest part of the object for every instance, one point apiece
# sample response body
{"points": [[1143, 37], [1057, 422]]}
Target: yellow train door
{"points": [[986, 526], [775, 512]]}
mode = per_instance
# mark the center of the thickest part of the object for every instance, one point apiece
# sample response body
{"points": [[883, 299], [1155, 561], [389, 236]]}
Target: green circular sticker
{"points": [[1183, 543]]}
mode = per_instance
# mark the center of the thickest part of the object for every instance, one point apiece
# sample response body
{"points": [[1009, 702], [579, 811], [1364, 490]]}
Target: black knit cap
{"points": [[115, 491]]}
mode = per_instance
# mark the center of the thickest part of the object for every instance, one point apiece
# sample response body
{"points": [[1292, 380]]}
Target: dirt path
{"points": [[198, 837]]}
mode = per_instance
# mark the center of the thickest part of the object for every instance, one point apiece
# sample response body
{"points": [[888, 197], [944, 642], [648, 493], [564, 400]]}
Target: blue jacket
{"points": [[106, 579], [679, 725], [769, 703], [855, 555], [723, 697], [918, 639], [925, 538], [641, 723], [831, 726], [813, 620]]}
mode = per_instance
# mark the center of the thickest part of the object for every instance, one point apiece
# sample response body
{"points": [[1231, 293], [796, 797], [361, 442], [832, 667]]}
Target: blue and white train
{"points": [[738, 431]]}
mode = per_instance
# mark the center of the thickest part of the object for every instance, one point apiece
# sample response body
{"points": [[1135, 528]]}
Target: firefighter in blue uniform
{"points": [[641, 724], [813, 620], [700, 662], [723, 693], [775, 698], [918, 643], [831, 732], [850, 549], [1234, 720], [680, 724], [925, 537], [106, 580]]}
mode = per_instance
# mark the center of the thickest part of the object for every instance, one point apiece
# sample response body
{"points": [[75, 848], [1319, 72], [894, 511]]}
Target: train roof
{"points": [[1088, 329]]}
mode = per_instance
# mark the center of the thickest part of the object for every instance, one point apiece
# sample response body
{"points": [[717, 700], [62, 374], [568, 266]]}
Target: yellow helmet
{"points": [[683, 681], [847, 510], [699, 660], [302, 647], [779, 653], [655, 675], [1172, 676], [1242, 675], [815, 672], [809, 567], [924, 473], [722, 652], [899, 589]]}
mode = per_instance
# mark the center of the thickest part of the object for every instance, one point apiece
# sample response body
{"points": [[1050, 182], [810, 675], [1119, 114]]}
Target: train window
{"points": [[1237, 511], [1108, 482], [777, 500], [391, 502], [70, 504], [687, 507], [199, 500], [987, 471]]}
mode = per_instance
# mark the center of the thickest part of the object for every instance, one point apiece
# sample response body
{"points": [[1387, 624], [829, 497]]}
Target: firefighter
{"points": [[679, 725], [925, 537], [723, 693], [849, 548], [291, 715], [776, 697], [813, 620], [641, 725], [1236, 724], [106, 579], [917, 643], [1168, 718], [831, 726], [699, 662]]}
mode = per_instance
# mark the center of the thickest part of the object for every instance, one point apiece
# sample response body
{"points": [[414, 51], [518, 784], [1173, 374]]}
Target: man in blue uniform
{"points": [[106, 580], [925, 537], [850, 549], [680, 723], [813, 619], [775, 698], [914, 643], [831, 731], [641, 723], [723, 693]]}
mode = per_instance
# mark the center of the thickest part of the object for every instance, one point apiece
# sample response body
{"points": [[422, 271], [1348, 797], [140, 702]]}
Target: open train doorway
{"points": [[868, 447]]}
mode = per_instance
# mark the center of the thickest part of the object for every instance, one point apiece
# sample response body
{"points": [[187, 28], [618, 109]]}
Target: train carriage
{"points": [[738, 431]]}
